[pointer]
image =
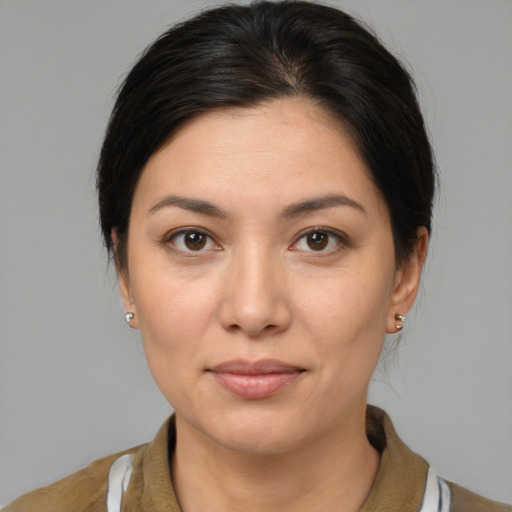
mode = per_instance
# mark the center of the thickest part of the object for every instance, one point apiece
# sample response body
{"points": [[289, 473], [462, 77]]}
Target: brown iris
{"points": [[194, 241], [317, 240]]}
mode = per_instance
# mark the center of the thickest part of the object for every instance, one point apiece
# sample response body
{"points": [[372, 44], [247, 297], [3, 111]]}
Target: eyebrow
{"points": [[320, 203], [192, 205], [294, 210]]}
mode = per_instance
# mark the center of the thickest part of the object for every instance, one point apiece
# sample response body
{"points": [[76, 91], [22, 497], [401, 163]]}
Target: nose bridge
{"points": [[255, 300]]}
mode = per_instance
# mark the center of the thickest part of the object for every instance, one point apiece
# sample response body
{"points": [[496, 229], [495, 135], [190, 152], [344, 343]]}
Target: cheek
{"points": [[174, 317], [346, 318], [347, 301], [174, 313]]}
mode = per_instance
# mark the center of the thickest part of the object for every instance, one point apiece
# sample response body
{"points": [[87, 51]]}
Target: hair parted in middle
{"points": [[241, 56]]}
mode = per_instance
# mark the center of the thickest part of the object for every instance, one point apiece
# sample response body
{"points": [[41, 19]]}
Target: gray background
{"points": [[74, 385]]}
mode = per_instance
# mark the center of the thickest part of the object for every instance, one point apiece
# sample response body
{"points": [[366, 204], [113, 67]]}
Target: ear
{"points": [[407, 281], [123, 279]]}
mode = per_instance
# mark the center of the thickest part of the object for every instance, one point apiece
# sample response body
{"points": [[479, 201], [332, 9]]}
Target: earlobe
{"points": [[125, 291], [407, 284], [126, 297]]}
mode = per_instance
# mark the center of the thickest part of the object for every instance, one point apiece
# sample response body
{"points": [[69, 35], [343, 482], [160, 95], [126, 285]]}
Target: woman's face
{"points": [[262, 275]]}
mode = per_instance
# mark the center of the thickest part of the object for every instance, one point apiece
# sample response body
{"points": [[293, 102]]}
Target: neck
{"points": [[333, 473]]}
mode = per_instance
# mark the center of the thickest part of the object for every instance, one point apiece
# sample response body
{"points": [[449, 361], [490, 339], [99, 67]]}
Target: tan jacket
{"points": [[404, 482]]}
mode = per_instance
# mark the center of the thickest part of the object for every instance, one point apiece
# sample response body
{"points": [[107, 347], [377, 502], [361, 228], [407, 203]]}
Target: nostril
{"points": [[254, 332]]}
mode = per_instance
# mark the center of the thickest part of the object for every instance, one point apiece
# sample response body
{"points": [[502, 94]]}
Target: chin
{"points": [[256, 441], [257, 431]]}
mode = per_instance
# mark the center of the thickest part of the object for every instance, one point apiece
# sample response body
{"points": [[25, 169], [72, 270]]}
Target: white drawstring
{"points": [[118, 480], [437, 494]]}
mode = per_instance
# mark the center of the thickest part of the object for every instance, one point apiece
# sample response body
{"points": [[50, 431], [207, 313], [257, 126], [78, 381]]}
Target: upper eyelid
{"points": [[342, 241], [330, 231], [189, 229]]}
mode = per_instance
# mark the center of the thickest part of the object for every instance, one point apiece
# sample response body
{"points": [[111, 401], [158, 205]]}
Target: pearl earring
{"points": [[401, 319], [129, 317]]}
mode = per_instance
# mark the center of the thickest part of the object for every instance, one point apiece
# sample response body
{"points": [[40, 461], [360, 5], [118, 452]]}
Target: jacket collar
{"points": [[400, 481], [399, 484]]}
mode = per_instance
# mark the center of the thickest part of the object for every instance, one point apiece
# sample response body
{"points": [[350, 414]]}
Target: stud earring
{"points": [[401, 319], [129, 317]]}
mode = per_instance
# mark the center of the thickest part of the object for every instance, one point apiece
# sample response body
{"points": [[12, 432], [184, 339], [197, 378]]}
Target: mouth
{"points": [[255, 380]]}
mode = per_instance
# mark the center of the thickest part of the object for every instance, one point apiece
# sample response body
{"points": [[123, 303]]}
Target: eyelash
{"points": [[339, 237], [169, 241]]}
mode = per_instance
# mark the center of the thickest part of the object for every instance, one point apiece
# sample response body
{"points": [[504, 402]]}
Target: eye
{"points": [[191, 240], [319, 240]]}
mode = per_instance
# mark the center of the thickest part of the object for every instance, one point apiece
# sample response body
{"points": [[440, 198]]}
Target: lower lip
{"points": [[255, 387]]}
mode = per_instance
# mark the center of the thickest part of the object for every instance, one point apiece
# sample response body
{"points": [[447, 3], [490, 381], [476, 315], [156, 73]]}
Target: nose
{"points": [[254, 296]]}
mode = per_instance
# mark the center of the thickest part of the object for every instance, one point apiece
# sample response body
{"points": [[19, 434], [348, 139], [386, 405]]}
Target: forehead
{"points": [[270, 153]]}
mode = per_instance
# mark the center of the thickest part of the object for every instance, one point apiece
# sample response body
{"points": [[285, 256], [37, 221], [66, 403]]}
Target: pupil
{"points": [[195, 241], [317, 241]]}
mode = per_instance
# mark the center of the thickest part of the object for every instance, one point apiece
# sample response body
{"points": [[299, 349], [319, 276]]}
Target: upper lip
{"points": [[261, 367]]}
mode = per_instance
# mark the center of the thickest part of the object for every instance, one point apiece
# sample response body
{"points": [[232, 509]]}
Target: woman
{"points": [[266, 187]]}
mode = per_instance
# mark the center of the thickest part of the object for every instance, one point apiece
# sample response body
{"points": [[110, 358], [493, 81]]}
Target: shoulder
{"points": [[85, 490], [463, 500], [405, 480]]}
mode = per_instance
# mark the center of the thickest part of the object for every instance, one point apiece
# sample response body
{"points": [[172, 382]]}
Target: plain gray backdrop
{"points": [[74, 383]]}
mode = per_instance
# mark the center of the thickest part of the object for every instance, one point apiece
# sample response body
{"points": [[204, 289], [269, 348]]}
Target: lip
{"points": [[255, 380]]}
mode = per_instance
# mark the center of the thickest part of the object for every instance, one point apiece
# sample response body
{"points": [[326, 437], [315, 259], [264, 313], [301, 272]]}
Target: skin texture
{"points": [[258, 289]]}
